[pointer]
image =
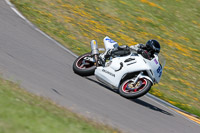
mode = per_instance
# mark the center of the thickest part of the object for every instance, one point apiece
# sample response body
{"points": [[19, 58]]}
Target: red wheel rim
{"points": [[84, 64], [141, 83]]}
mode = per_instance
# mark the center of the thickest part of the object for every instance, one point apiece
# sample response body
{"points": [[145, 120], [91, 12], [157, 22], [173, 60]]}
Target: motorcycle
{"points": [[129, 72]]}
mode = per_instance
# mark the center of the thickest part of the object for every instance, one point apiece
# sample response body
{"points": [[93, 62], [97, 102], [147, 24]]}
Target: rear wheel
{"points": [[130, 90], [83, 66]]}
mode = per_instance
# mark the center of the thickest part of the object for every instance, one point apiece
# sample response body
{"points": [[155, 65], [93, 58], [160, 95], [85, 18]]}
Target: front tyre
{"points": [[84, 67], [129, 90]]}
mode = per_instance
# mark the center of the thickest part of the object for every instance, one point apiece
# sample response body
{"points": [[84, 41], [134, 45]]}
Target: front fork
{"points": [[137, 78], [140, 75]]}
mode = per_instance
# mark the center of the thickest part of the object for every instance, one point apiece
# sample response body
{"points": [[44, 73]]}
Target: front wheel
{"points": [[84, 66], [130, 90]]}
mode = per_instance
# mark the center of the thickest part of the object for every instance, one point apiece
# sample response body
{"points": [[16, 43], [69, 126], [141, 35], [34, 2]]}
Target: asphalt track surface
{"points": [[44, 68]]}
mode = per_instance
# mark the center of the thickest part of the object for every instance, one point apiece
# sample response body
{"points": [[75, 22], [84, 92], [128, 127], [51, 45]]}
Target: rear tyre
{"points": [[128, 90], [84, 67]]}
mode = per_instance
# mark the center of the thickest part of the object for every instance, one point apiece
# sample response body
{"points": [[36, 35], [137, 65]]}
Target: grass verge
{"points": [[173, 23], [22, 112]]}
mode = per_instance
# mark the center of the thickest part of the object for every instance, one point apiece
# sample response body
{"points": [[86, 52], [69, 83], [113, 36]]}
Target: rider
{"points": [[147, 51]]}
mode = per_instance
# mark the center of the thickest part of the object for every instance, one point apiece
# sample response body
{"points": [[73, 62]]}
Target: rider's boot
{"points": [[105, 56]]}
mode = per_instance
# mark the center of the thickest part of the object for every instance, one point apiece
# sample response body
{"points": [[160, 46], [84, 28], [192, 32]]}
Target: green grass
{"points": [[22, 112], [174, 23]]}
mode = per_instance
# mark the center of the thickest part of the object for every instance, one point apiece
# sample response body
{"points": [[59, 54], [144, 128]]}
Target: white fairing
{"points": [[109, 43], [156, 68], [118, 67]]}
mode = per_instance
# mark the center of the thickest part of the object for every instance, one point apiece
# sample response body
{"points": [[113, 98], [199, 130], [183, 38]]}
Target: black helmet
{"points": [[153, 46]]}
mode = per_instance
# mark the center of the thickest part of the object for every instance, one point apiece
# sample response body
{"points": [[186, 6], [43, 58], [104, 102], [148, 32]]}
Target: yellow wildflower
{"points": [[152, 4]]}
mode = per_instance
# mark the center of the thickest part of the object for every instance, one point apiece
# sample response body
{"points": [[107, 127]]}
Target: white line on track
{"points": [[32, 25], [165, 104]]}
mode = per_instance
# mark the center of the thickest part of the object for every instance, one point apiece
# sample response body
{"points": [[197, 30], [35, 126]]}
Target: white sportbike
{"points": [[131, 73]]}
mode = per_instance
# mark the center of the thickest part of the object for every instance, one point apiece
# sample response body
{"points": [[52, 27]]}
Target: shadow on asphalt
{"points": [[138, 101], [150, 106]]}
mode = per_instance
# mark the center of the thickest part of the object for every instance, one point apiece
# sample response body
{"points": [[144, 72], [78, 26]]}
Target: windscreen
{"points": [[162, 60]]}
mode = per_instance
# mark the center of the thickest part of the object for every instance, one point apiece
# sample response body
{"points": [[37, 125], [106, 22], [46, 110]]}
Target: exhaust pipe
{"points": [[94, 47], [95, 51]]}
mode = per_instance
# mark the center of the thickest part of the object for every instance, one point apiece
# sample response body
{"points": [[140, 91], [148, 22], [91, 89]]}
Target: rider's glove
{"points": [[139, 51]]}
